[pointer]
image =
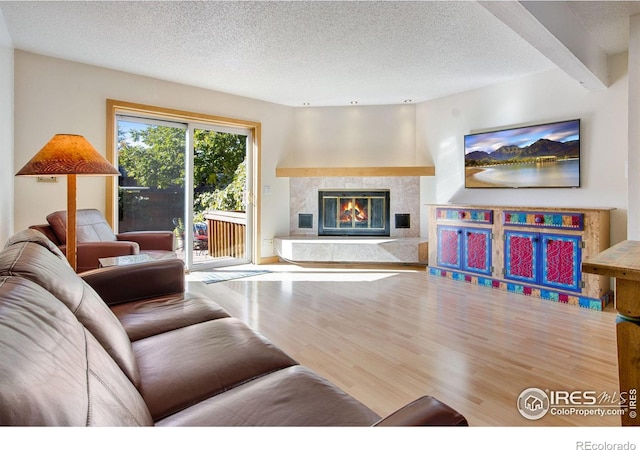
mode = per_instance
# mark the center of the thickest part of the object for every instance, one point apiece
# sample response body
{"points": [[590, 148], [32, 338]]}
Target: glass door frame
{"points": [[191, 127], [251, 129]]}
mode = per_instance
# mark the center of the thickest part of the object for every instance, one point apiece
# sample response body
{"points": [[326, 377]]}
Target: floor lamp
{"points": [[70, 155]]}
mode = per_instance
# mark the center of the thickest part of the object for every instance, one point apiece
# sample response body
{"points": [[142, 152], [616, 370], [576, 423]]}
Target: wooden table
{"points": [[622, 262]]}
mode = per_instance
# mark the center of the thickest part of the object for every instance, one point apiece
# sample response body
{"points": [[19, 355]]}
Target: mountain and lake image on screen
{"points": [[536, 156]]}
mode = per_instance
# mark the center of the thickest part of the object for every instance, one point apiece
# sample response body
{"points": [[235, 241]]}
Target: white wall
{"points": [[6, 132], [351, 136], [633, 165], [546, 97], [56, 96]]}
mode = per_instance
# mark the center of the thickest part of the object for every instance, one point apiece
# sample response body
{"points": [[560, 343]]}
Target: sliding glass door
{"points": [[190, 178]]}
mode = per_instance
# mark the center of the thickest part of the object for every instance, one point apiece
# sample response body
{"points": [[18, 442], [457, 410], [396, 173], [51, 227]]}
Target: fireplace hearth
{"points": [[353, 213]]}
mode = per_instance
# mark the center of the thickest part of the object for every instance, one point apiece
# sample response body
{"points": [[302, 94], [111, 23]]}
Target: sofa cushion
{"points": [[294, 396], [182, 367], [144, 318], [52, 370], [35, 262], [150, 298], [91, 226]]}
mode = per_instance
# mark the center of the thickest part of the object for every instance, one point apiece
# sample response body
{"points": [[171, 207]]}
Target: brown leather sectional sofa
{"points": [[127, 346]]}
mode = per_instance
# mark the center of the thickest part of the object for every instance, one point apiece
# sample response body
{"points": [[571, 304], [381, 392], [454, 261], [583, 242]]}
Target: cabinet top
{"points": [[519, 207]]}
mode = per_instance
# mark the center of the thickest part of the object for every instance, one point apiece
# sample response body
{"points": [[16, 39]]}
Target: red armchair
{"points": [[96, 239]]}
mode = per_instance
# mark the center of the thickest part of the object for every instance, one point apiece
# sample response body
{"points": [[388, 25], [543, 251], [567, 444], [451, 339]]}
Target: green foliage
{"points": [[228, 199], [154, 157], [178, 231], [216, 158]]}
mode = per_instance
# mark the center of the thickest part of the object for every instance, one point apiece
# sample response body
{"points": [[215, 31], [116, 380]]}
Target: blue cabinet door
{"points": [[449, 247], [521, 256], [476, 250], [551, 260], [561, 257]]}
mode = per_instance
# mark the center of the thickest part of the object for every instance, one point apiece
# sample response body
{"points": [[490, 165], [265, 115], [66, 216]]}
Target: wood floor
{"points": [[388, 336]]}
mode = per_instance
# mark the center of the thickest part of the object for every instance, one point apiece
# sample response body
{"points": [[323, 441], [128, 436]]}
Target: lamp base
{"points": [[72, 251]]}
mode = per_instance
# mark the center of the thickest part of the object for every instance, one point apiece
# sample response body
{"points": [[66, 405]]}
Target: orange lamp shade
{"points": [[67, 154]]}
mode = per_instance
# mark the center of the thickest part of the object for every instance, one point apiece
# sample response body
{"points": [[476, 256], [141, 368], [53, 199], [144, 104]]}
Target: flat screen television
{"points": [[534, 156]]}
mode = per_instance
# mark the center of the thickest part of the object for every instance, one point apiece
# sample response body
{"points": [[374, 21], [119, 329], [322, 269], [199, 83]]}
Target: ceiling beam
{"points": [[553, 29]]}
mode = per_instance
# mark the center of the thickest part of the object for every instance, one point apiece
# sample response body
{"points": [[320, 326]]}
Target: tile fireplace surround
{"points": [[404, 245]]}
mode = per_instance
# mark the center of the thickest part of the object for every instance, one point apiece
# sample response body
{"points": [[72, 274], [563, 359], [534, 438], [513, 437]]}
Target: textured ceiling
{"points": [[323, 53], [608, 22]]}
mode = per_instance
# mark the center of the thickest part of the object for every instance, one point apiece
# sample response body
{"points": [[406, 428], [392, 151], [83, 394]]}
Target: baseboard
{"points": [[268, 260]]}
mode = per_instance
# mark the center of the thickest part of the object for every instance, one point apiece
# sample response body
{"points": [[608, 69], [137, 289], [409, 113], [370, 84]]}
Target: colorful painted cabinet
{"points": [[532, 251]]}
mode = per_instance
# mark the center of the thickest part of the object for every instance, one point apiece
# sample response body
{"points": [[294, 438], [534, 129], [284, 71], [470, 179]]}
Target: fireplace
{"points": [[353, 213]]}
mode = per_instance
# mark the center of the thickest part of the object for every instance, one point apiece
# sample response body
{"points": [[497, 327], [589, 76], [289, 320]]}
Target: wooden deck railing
{"points": [[226, 231]]}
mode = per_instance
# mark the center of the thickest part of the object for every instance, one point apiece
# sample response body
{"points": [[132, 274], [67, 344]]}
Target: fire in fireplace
{"points": [[353, 213]]}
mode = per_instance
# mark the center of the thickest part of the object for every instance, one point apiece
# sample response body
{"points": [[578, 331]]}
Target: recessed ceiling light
{"points": [[354, 102], [408, 100]]}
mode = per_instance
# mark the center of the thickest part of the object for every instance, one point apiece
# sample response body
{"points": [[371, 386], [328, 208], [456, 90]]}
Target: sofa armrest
{"points": [[425, 411], [122, 284], [150, 240], [88, 253], [106, 249]]}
